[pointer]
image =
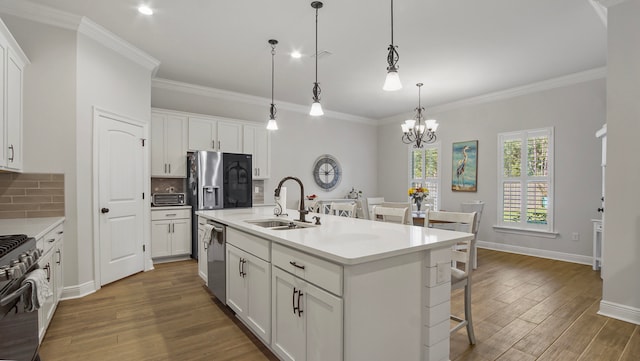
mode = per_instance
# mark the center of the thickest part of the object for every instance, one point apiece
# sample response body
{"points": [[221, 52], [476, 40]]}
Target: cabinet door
{"points": [[57, 266], [14, 112], [181, 236], [3, 58], [46, 310], [236, 281], [175, 149], [202, 134], [262, 153], [160, 239], [323, 313], [258, 307], [288, 327], [229, 137], [158, 163], [202, 253]]}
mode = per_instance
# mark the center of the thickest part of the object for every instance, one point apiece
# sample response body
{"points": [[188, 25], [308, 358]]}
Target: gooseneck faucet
{"points": [[302, 210]]}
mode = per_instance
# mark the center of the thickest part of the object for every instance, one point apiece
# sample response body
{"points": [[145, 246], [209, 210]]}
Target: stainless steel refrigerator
{"points": [[217, 180]]}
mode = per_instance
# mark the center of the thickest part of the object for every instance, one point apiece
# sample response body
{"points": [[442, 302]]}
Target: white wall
{"points": [[576, 111], [621, 288], [49, 120], [297, 143]]}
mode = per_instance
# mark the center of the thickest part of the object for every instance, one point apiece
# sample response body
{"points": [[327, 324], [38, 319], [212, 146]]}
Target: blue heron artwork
{"points": [[465, 166]]}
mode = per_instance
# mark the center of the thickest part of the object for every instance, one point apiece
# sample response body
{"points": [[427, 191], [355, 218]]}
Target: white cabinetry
{"points": [[202, 251], [12, 63], [307, 319], [214, 134], [257, 142], [170, 232], [249, 281], [51, 262], [168, 145]]}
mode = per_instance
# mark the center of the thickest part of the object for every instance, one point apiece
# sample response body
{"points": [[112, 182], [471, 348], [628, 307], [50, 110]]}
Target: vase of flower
{"points": [[417, 194]]}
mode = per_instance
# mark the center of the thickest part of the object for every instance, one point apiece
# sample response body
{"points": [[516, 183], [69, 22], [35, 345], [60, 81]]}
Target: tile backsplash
{"points": [[31, 195]]}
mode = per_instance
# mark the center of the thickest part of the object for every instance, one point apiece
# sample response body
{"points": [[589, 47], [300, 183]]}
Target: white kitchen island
{"points": [[349, 289]]}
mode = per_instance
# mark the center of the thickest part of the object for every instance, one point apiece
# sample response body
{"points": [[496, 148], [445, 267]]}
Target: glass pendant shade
{"points": [[410, 123], [316, 109], [272, 125], [392, 82]]}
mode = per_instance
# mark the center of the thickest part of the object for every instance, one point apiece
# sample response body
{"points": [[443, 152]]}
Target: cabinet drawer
{"points": [[170, 214], [50, 238], [255, 245], [312, 269]]}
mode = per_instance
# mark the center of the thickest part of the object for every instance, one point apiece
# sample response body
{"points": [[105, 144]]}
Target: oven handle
{"points": [[17, 293]]}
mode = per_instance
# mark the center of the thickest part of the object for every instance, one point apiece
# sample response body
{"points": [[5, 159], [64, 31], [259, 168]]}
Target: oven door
{"points": [[18, 331]]}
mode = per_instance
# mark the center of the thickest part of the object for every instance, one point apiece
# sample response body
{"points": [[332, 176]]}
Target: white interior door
{"points": [[120, 207]]}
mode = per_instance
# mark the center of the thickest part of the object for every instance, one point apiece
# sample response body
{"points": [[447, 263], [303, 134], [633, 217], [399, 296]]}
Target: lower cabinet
{"points": [[202, 251], [170, 232], [249, 290], [307, 321], [51, 262]]}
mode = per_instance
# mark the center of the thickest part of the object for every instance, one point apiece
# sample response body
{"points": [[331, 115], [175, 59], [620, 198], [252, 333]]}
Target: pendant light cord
{"points": [[316, 45], [273, 53], [391, 22]]}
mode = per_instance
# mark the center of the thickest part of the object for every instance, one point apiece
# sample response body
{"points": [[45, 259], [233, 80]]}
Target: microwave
{"points": [[168, 199]]}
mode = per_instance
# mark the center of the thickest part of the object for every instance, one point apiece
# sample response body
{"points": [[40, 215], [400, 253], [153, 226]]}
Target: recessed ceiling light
{"points": [[296, 54], [144, 9]]}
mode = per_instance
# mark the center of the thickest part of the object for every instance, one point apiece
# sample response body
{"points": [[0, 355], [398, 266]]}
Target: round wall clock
{"points": [[327, 172]]}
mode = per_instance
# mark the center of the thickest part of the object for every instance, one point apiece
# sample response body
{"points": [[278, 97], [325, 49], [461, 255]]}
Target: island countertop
{"points": [[347, 241]]}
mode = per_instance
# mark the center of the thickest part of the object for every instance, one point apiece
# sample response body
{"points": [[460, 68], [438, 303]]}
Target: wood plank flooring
{"points": [[524, 308]]}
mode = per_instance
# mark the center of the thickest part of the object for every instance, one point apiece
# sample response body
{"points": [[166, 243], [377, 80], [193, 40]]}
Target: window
{"points": [[525, 180], [424, 170]]}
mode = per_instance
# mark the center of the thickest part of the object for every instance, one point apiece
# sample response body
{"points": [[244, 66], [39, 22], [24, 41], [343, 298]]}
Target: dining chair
{"points": [[372, 201], [460, 262], [474, 206], [389, 214], [408, 219], [344, 209]]}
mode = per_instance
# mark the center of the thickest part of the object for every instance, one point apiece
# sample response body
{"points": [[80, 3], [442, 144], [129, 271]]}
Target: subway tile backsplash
{"points": [[31, 195]]}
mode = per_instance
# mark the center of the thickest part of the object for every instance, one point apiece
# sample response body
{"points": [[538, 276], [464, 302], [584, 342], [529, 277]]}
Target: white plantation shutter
{"points": [[424, 169], [525, 168]]}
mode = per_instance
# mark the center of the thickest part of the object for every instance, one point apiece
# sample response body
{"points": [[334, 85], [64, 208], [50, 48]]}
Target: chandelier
{"points": [[418, 130]]}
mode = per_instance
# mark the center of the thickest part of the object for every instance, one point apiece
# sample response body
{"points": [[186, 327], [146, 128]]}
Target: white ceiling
{"points": [[457, 48]]}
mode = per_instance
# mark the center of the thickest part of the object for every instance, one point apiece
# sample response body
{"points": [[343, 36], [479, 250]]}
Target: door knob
{"points": [[104, 210]]}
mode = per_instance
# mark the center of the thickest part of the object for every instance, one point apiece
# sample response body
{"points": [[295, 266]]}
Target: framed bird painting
{"points": [[465, 166]]}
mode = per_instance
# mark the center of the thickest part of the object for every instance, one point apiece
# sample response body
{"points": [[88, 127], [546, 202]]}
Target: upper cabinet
{"points": [[12, 63], [214, 134], [257, 142], [168, 145]]}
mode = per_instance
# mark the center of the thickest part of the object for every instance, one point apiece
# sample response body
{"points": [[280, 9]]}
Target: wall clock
{"points": [[327, 172]]}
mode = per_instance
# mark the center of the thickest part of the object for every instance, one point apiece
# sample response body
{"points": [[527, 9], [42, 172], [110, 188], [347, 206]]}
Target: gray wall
{"points": [[576, 112], [297, 143], [622, 217]]}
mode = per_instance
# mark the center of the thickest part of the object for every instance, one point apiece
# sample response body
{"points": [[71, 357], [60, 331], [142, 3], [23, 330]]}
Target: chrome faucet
{"points": [[302, 210]]}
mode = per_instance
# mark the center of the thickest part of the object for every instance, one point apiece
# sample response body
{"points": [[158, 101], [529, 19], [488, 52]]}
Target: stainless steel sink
{"points": [[279, 224]]}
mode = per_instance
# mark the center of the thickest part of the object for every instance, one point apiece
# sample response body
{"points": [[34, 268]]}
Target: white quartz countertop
{"points": [[32, 227], [343, 240]]}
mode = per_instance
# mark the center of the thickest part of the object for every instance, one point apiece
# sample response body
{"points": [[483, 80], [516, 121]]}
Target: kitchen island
{"points": [[347, 289]]}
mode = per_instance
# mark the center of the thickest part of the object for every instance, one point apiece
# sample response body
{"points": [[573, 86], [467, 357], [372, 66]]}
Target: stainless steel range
{"points": [[18, 328]]}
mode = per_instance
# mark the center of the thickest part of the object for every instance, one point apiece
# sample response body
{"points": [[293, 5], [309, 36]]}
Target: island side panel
{"points": [[383, 304], [436, 299]]}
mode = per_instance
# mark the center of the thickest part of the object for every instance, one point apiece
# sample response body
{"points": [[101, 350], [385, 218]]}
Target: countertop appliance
{"points": [[168, 199], [216, 263], [217, 180], [18, 328]]}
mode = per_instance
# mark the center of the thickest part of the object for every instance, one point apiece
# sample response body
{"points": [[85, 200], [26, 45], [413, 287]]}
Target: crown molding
{"points": [[610, 3], [61, 19], [40, 13], [600, 9], [117, 44], [187, 88]]}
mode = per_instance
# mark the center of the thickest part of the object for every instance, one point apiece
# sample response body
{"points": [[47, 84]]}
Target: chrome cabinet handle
{"points": [[59, 257], [299, 308], [165, 167], [169, 167], [293, 300], [12, 153]]}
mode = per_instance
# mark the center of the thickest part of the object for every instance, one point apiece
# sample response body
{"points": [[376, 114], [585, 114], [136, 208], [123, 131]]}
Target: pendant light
{"points": [[272, 125], [316, 108], [392, 82], [418, 130]]}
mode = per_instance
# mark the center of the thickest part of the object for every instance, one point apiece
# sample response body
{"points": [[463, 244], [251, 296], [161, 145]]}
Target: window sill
{"points": [[526, 232]]}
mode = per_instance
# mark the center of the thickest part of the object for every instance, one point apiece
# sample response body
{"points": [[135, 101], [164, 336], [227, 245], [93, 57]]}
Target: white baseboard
{"points": [[78, 291], [560, 256], [620, 312]]}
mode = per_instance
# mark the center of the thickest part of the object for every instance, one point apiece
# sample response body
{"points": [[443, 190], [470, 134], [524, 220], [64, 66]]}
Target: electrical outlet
{"points": [[575, 236], [257, 190]]}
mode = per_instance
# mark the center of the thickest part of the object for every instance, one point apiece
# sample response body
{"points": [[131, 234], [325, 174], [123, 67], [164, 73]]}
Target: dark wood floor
{"points": [[524, 308]]}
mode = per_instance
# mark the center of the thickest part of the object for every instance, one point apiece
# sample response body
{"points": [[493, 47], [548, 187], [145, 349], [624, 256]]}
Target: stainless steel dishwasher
{"points": [[216, 265]]}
